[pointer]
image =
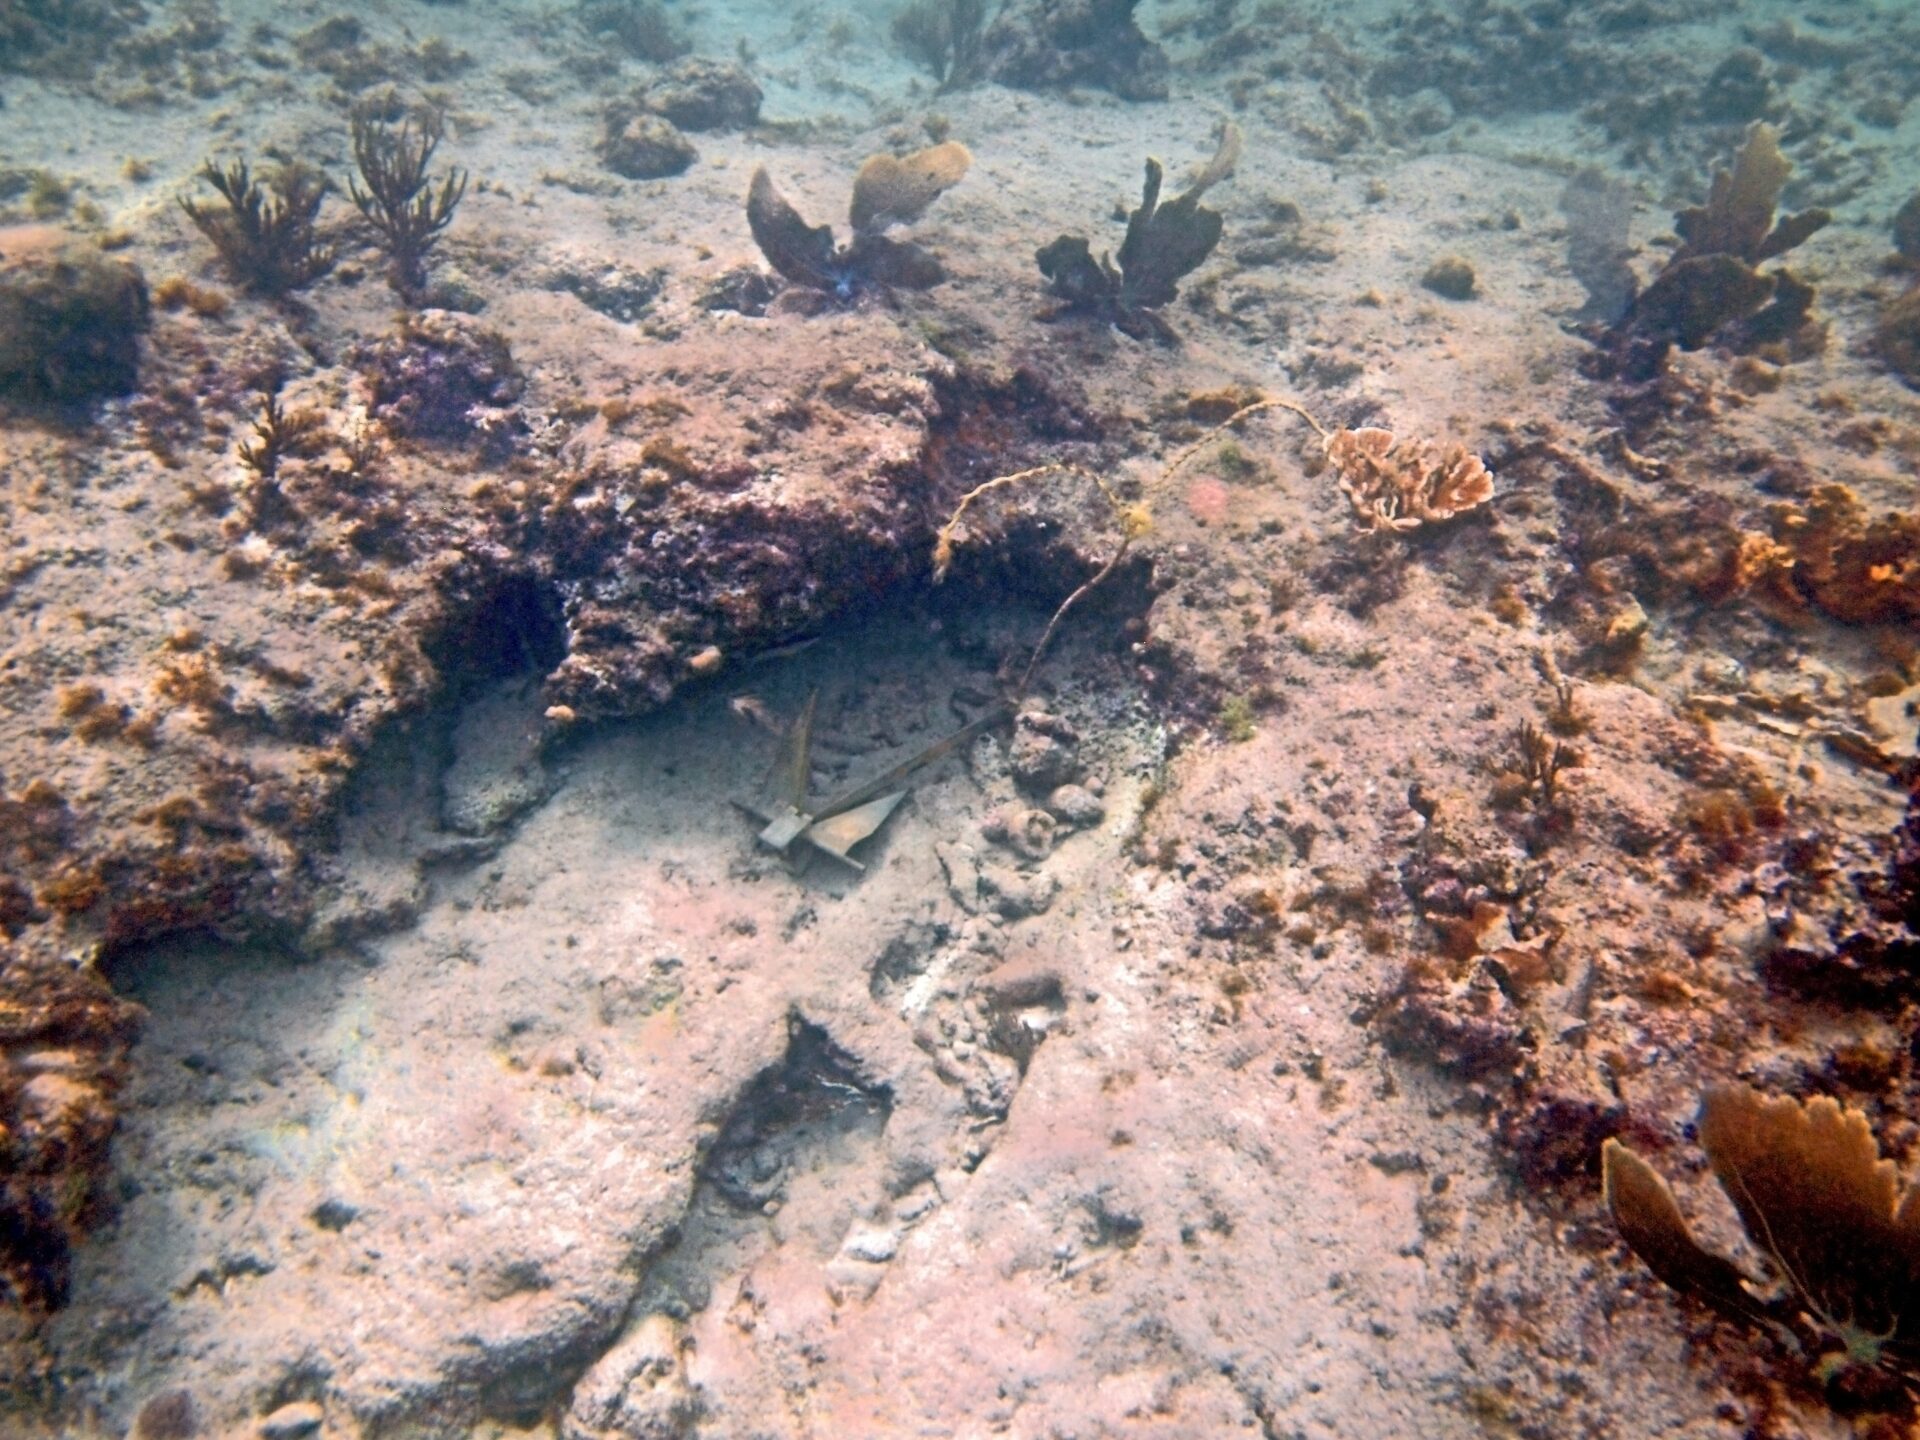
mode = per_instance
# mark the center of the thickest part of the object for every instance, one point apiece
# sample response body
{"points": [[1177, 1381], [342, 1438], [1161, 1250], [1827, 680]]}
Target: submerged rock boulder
{"points": [[698, 94], [647, 147], [440, 376], [70, 317], [1050, 44]]}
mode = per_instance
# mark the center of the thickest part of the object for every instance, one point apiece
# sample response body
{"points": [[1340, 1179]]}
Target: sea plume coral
{"points": [[266, 233], [400, 201], [1814, 1195]]}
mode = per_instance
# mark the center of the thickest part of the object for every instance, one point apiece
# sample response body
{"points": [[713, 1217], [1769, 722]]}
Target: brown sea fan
{"points": [[896, 190], [1817, 1199]]}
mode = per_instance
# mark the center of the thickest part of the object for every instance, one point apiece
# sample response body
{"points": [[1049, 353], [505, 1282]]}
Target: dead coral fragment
{"points": [[1163, 244], [1815, 1196], [886, 192], [1395, 486], [266, 234]]}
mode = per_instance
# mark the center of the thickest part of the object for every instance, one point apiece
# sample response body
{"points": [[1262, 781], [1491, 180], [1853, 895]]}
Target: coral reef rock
{"points": [[1047, 44], [438, 376], [70, 317], [64, 1039], [699, 94], [647, 147]]}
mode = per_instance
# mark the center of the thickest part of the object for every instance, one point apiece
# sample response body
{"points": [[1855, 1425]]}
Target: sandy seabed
{"points": [[1225, 1046]]}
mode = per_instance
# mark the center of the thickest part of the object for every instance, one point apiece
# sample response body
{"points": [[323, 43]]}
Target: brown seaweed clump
{"points": [[1396, 485], [888, 191], [1163, 244], [1817, 1200], [1712, 290]]}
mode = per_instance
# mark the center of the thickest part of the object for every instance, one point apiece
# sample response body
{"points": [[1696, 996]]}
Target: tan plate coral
{"points": [[1401, 485]]}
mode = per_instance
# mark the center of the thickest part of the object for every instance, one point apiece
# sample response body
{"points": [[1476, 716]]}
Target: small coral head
{"points": [[1396, 485]]}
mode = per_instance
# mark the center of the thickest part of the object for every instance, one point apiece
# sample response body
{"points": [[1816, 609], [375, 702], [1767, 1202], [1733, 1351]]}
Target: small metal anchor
{"points": [[836, 825]]}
